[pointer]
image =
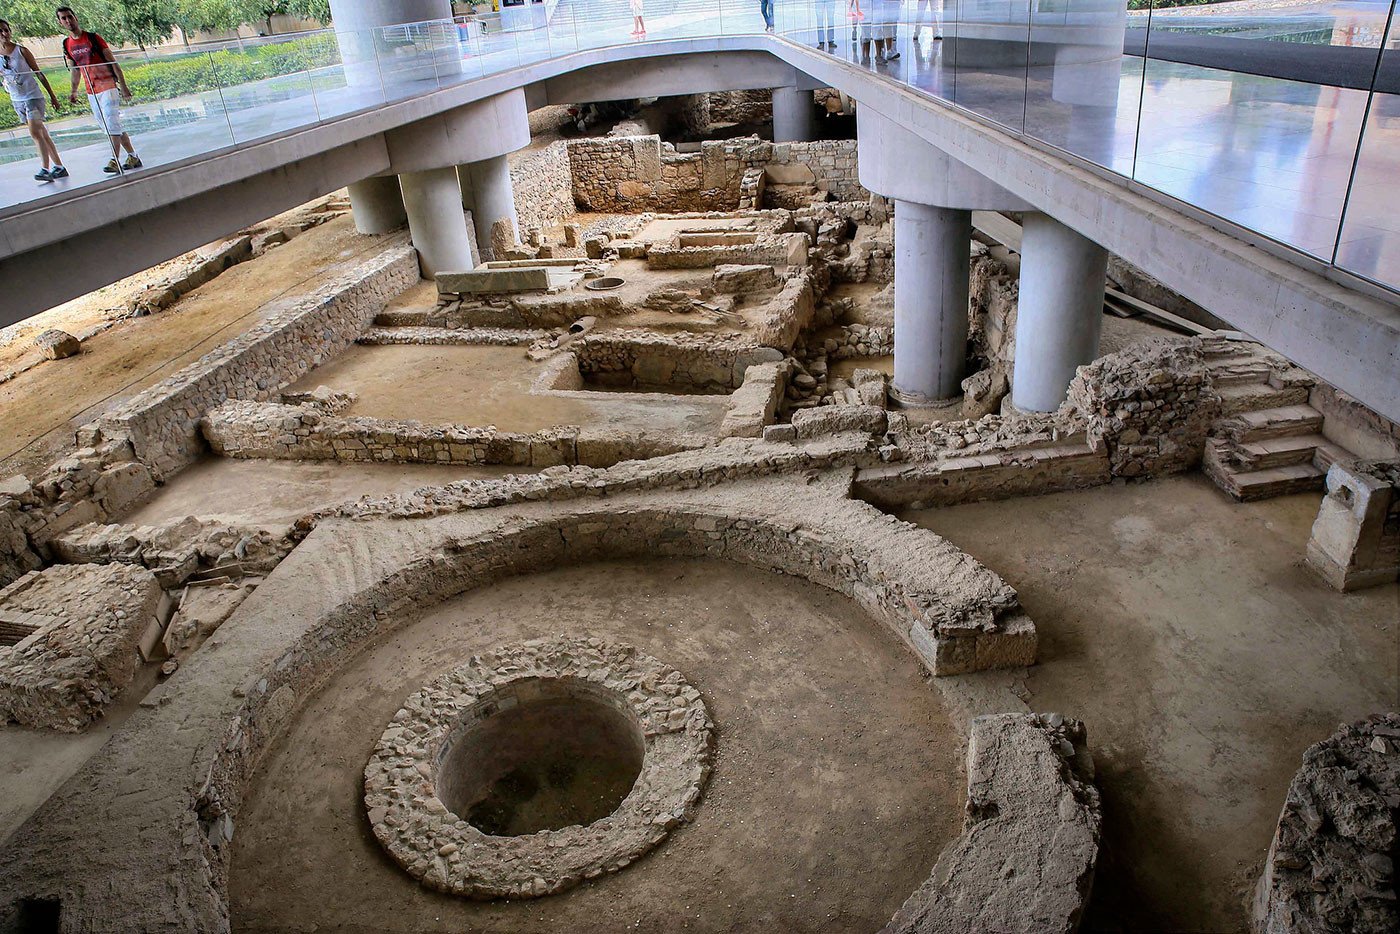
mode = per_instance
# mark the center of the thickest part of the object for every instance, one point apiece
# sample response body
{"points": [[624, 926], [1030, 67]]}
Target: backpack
{"points": [[92, 39]]}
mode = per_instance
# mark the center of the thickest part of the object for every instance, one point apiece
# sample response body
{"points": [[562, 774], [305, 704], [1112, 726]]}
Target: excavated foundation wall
{"points": [[162, 423], [544, 195], [640, 173]]}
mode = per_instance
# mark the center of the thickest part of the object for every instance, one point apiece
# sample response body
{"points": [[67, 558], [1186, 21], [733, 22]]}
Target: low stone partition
{"points": [[1355, 540], [1030, 841], [793, 310], [716, 248], [178, 549], [1331, 864], [455, 337], [294, 432], [83, 652], [162, 422], [755, 403], [682, 361]]}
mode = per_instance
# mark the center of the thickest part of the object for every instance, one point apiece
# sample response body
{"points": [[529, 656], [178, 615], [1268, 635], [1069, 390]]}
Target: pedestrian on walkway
{"points": [[88, 54], [879, 31], [21, 77], [639, 26], [826, 24], [922, 16], [853, 11], [766, 8]]}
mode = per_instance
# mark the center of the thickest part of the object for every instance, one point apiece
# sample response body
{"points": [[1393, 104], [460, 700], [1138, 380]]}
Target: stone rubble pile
{"points": [[1331, 864], [85, 653]]}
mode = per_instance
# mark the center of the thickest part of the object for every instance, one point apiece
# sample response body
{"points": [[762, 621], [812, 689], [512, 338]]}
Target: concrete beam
{"points": [[89, 259], [682, 74], [905, 167], [470, 133]]}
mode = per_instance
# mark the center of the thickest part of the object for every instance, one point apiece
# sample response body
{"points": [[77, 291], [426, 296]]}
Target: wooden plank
{"points": [[1147, 308], [1000, 229]]}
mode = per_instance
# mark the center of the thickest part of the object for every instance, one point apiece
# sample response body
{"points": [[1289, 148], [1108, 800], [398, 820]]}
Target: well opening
{"points": [[541, 754]]}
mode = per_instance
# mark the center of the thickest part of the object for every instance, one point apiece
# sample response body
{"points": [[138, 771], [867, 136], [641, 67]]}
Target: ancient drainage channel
{"points": [[537, 765]]}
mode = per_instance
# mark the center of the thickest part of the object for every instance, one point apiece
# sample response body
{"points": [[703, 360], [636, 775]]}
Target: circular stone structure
{"points": [[537, 765], [604, 283]]}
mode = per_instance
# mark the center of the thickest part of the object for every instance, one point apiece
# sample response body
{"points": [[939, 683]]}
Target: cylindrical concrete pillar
{"points": [[377, 204], [376, 55], [1060, 313], [435, 219], [931, 259], [492, 200], [794, 116]]}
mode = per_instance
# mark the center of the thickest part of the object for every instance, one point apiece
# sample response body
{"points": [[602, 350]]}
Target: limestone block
{"points": [[56, 344], [1349, 546], [832, 419], [482, 281], [983, 392], [731, 277]]}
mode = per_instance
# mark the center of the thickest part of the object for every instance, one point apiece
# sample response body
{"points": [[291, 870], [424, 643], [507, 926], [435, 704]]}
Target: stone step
{"points": [[1243, 373], [1255, 485], [1276, 422], [1244, 397], [1292, 449]]}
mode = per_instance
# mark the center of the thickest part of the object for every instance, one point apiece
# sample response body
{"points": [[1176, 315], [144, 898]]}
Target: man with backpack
{"points": [[88, 53]]}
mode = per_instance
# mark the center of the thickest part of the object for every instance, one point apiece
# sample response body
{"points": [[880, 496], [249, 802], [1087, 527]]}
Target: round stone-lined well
{"points": [[570, 758]]}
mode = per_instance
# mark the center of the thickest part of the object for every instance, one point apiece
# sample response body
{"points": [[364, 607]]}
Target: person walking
{"points": [[21, 77], [766, 8], [88, 54], [639, 26], [921, 18], [826, 24]]}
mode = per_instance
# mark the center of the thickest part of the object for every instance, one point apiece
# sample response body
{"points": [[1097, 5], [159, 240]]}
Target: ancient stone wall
{"points": [[1151, 404], [640, 358], [88, 621], [292, 432], [755, 106], [162, 422], [830, 164], [544, 195]]}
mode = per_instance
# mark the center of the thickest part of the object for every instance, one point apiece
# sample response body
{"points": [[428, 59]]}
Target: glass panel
{"points": [[1370, 239], [1082, 91], [989, 54], [1254, 115]]}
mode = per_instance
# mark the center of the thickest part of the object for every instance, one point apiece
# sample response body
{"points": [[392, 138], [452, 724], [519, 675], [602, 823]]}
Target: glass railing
{"points": [[1279, 116]]}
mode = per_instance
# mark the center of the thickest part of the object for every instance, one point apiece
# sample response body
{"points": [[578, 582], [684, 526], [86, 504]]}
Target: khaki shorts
{"points": [[31, 110]]}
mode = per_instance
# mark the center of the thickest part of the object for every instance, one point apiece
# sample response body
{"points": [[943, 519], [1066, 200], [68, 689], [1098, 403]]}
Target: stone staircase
{"points": [[1268, 440]]}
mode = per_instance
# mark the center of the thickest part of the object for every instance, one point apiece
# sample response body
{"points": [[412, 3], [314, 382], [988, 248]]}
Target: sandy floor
{"points": [[275, 493], [1204, 658], [483, 386], [40, 408], [837, 775]]}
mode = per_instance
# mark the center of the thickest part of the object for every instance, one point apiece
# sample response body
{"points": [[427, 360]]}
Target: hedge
{"points": [[179, 75]]}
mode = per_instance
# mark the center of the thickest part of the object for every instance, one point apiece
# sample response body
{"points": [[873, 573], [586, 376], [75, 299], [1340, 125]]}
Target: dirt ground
{"points": [[40, 408], [275, 493], [479, 386], [837, 774], [1204, 658]]}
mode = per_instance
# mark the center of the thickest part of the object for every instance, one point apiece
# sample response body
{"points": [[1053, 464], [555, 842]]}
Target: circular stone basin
{"points": [[565, 753], [537, 765], [604, 283]]}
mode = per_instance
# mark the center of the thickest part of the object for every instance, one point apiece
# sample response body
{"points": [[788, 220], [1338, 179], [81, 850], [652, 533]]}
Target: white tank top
{"points": [[18, 78]]}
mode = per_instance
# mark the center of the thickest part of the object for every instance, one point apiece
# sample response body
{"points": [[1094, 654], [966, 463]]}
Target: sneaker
{"points": [[43, 176], [879, 59], [111, 168], [58, 171], [937, 37], [892, 56], [133, 161]]}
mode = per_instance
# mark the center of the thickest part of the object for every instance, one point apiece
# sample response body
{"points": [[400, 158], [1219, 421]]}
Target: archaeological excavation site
{"points": [[648, 526]]}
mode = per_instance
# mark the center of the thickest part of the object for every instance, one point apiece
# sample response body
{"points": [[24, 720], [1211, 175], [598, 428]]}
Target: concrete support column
{"points": [[492, 201], [422, 56], [931, 248], [794, 116], [377, 204], [1060, 313], [435, 219]]}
